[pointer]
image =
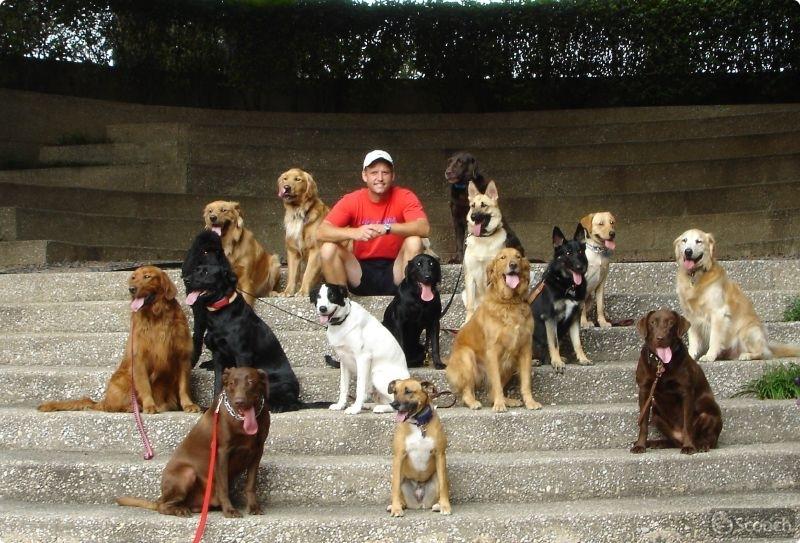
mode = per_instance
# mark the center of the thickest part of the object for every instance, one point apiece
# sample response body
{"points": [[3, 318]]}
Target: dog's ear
{"points": [[675, 246], [314, 294], [239, 213], [231, 277], [471, 168], [225, 375], [409, 267], [682, 324], [524, 276], [472, 190], [491, 191], [429, 388], [558, 237], [206, 220], [642, 325], [170, 290], [580, 233], [586, 222], [391, 386], [711, 244], [262, 375], [311, 187], [436, 271]]}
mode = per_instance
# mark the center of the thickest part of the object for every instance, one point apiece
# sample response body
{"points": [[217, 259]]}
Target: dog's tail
{"points": [[130, 501], [783, 350], [83, 404]]}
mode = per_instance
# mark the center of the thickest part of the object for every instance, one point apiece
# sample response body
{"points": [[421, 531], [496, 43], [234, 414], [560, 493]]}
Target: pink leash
{"points": [[137, 416]]}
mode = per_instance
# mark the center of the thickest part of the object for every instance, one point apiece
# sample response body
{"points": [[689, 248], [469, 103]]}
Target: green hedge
{"points": [[249, 44]]}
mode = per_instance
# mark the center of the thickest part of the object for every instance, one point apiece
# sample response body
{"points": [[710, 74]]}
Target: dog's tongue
{"points": [[281, 192], [610, 244], [250, 424], [137, 304], [323, 319], [191, 298], [512, 281], [400, 416], [217, 230], [476, 229], [577, 278], [427, 292], [688, 264], [664, 353]]}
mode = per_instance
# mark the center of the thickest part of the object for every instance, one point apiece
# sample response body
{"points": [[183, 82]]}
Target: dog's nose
{"points": [[323, 309], [287, 188], [687, 252], [213, 218], [132, 290], [239, 402], [612, 234], [513, 266]]}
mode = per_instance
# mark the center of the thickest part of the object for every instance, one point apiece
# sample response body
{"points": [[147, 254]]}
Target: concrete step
{"points": [[16, 255], [152, 151], [712, 518], [633, 277], [135, 177], [458, 138], [522, 157], [517, 477], [310, 432], [606, 382]]}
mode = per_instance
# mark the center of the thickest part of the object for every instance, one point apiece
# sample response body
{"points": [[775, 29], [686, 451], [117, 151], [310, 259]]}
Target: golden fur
{"points": [[304, 211], [723, 321], [600, 233], [406, 475], [496, 343], [258, 271], [163, 350]]}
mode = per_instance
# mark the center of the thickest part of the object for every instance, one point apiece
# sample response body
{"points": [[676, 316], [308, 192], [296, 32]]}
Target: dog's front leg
{"points": [[142, 381], [469, 302], [199, 316], [363, 363], [688, 422], [601, 306], [444, 483], [696, 342], [432, 337], [253, 508], [525, 365], [292, 272], [344, 387], [575, 337], [397, 505], [641, 441], [495, 381], [719, 322], [222, 482], [312, 273], [552, 345]]}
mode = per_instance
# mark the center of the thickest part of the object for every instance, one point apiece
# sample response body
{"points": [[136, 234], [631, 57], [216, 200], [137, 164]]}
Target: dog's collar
{"points": [[460, 185], [601, 250], [571, 290], [422, 418], [222, 302], [338, 321], [223, 399]]}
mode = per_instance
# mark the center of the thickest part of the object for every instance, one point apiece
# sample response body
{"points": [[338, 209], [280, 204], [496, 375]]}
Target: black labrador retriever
{"points": [[236, 336], [417, 306]]}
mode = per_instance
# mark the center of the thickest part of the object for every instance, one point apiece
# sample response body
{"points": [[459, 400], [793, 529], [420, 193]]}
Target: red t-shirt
{"points": [[356, 209]]}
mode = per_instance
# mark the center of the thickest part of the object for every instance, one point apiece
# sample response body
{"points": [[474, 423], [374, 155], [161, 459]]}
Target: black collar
{"points": [[423, 417], [337, 322]]}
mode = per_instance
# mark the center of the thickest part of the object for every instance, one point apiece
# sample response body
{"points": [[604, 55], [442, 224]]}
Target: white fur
{"points": [[478, 253], [364, 347], [418, 448], [294, 229]]}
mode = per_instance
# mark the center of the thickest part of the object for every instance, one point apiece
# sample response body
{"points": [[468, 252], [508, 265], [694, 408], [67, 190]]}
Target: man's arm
{"points": [[417, 227], [328, 232]]}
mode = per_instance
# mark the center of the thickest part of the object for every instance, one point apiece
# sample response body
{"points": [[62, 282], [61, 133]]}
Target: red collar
{"points": [[222, 302]]}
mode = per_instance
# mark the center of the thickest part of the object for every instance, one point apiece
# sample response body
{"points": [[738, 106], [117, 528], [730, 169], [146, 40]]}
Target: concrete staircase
{"points": [[562, 474], [138, 195]]}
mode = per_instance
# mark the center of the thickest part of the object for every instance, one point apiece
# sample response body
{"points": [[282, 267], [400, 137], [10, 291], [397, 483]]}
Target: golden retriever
{"points": [[724, 322], [495, 343], [304, 212], [258, 271], [163, 350], [601, 234]]}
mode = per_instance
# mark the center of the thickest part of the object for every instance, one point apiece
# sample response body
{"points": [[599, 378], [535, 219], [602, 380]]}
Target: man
{"points": [[385, 223]]}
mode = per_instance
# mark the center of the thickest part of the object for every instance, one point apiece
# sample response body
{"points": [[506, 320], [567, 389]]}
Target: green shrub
{"points": [[792, 312], [777, 383]]}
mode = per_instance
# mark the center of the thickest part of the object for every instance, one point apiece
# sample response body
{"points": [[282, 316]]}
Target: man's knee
{"points": [[412, 245], [328, 251]]}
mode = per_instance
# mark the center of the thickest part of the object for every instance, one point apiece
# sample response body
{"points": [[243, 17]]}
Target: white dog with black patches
{"points": [[363, 346]]}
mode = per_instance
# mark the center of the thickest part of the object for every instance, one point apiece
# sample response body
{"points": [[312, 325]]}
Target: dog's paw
{"points": [[254, 509], [604, 324], [513, 402], [585, 362], [694, 354], [231, 513], [499, 407], [558, 365], [533, 404], [638, 449], [396, 510], [336, 407], [708, 358], [688, 450], [150, 409], [475, 405], [443, 508], [353, 410], [191, 408], [587, 324], [536, 362], [745, 356], [382, 409]]}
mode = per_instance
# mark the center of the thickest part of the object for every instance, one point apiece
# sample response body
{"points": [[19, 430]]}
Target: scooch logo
{"points": [[725, 524]]}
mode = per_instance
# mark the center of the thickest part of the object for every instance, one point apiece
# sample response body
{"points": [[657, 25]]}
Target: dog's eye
{"points": [[483, 204], [147, 276], [684, 240], [601, 224], [408, 390], [419, 264], [699, 242]]}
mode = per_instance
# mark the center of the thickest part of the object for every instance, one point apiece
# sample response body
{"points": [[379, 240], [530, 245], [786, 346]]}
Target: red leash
{"points": [[137, 416], [201, 528]]}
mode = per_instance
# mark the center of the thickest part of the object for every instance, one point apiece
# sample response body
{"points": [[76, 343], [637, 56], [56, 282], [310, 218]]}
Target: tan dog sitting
{"points": [[304, 212], [600, 235], [419, 467], [258, 271]]}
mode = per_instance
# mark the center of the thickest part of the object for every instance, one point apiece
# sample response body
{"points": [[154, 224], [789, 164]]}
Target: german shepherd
{"points": [[486, 237], [561, 294]]}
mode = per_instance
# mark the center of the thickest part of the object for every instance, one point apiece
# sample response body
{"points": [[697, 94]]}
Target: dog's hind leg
{"points": [[754, 344], [175, 486], [575, 337], [552, 346], [462, 373]]}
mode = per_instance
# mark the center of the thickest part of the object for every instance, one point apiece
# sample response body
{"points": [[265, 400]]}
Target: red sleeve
{"points": [[412, 207], [341, 214]]}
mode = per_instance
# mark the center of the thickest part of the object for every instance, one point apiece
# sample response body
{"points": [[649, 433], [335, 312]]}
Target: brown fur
{"points": [[724, 321], [183, 481], [413, 396], [304, 211], [496, 342], [258, 271], [684, 408], [160, 337]]}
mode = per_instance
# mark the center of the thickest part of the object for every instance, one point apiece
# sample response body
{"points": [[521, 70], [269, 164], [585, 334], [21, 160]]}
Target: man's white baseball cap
{"points": [[377, 154]]}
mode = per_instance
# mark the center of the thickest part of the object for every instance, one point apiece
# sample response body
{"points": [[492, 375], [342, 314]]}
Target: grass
{"points": [[792, 312], [781, 382]]}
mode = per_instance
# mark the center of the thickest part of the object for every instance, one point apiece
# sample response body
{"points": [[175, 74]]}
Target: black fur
{"points": [[568, 256], [236, 336], [462, 168], [408, 314], [336, 293]]}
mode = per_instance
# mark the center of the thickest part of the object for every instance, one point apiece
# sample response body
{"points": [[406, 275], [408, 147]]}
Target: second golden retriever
{"points": [[258, 271], [600, 236], [723, 320], [304, 212], [495, 343]]}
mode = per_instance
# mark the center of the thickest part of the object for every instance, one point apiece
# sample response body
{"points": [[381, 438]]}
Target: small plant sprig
{"points": [[781, 382], [792, 313]]}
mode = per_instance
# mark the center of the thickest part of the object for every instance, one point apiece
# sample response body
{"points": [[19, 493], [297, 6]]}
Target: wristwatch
{"points": [[387, 228]]}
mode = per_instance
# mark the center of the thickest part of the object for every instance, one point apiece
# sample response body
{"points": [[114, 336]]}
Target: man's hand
{"points": [[366, 232]]}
